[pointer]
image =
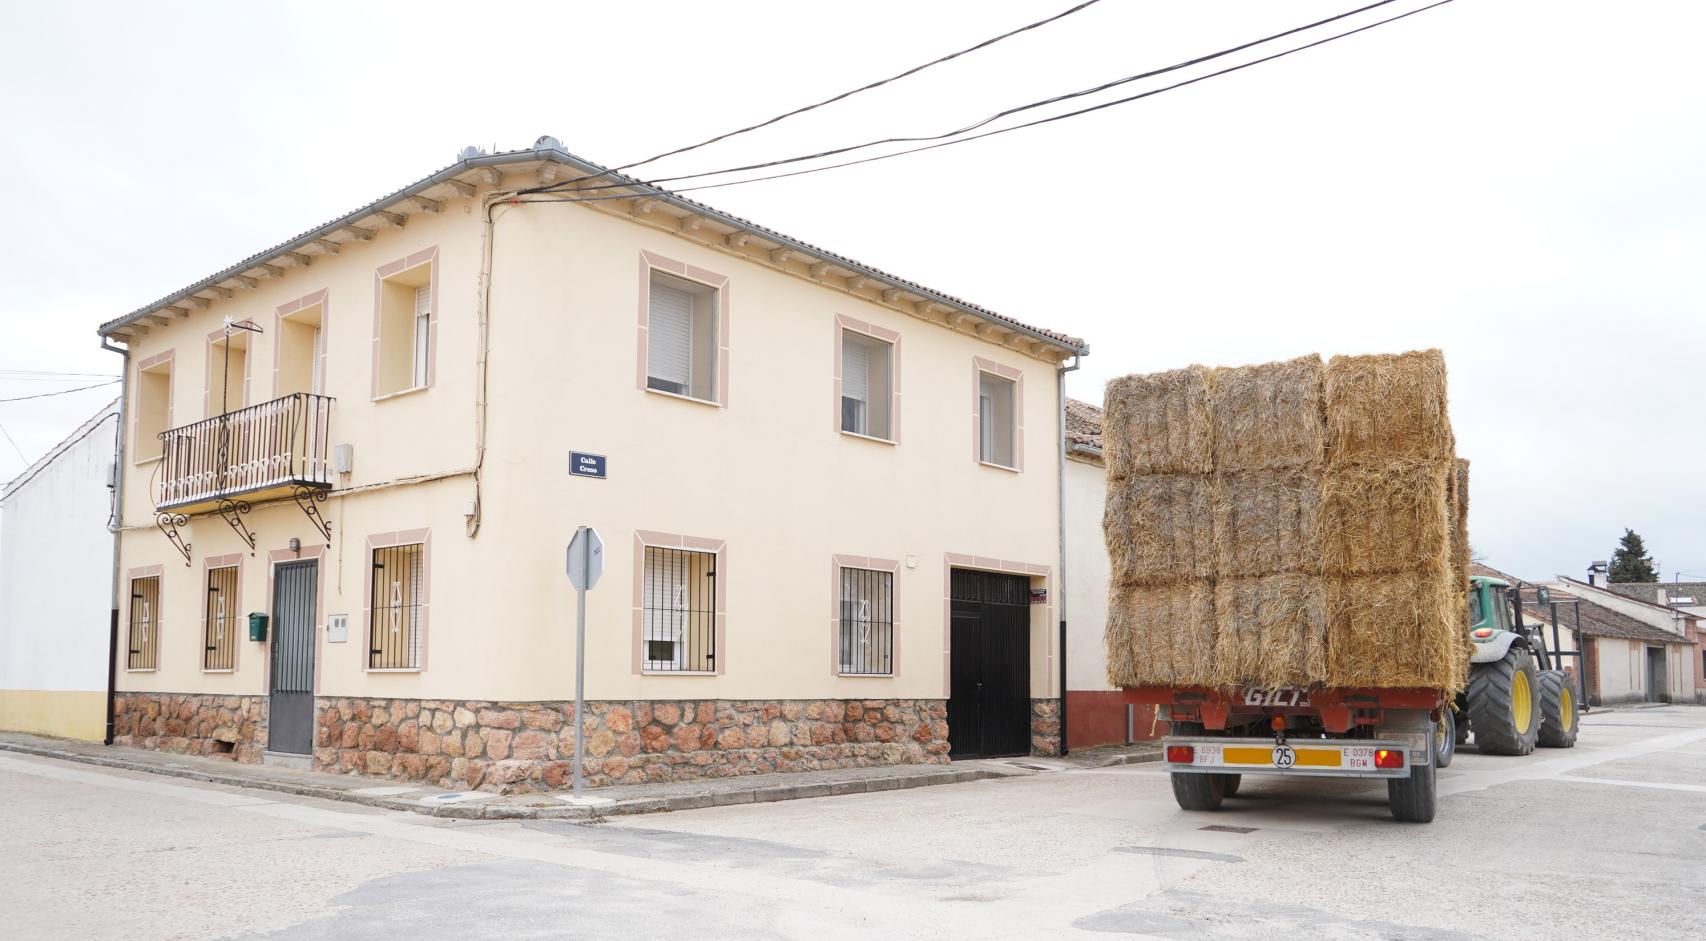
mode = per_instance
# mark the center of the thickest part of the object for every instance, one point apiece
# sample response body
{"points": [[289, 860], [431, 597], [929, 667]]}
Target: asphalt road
{"points": [[1607, 840]]}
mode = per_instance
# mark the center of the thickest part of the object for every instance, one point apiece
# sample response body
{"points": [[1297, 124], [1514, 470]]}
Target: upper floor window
{"points": [[867, 385], [300, 346], [681, 337], [406, 320], [227, 372], [153, 405], [995, 419]]}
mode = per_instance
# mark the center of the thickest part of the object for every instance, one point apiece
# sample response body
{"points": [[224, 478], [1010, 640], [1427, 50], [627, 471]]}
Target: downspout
{"points": [[1060, 480], [117, 526], [483, 350]]}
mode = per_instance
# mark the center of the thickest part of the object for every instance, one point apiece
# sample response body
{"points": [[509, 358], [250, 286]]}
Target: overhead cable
{"points": [[863, 88], [546, 191]]}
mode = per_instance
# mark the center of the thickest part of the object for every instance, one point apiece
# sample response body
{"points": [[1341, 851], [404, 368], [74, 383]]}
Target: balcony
{"points": [[257, 453]]}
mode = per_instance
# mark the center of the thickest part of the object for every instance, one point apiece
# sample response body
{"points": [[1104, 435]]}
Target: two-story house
{"points": [[828, 496]]}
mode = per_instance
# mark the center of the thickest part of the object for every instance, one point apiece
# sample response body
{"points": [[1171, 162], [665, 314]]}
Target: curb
{"points": [[759, 794]]}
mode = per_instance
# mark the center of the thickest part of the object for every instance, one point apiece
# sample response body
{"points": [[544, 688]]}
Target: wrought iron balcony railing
{"points": [[263, 450]]}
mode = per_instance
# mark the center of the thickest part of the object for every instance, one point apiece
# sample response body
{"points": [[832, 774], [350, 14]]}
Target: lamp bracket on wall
{"points": [[309, 499], [169, 523], [233, 511]]}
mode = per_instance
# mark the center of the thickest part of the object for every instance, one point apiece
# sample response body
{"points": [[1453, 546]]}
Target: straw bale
{"points": [[1159, 528], [1267, 522], [1158, 424], [1460, 521], [1268, 415], [1387, 407], [1161, 634], [1396, 631], [1270, 631], [1389, 516]]}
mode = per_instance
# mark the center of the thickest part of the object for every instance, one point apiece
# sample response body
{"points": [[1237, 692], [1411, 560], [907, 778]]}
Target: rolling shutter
{"points": [[669, 340]]}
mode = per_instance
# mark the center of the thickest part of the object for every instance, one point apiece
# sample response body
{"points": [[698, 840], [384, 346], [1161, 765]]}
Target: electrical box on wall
{"points": [[343, 458], [337, 628]]}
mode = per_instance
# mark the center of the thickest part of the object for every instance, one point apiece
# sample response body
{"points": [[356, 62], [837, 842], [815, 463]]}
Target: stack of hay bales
{"points": [[1288, 523]]}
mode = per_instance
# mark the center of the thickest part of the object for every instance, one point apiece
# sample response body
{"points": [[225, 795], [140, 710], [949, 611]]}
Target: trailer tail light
{"points": [[1389, 759], [1181, 754]]}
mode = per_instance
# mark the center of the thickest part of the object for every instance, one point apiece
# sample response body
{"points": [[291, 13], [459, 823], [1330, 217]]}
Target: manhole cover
{"points": [[1222, 828]]}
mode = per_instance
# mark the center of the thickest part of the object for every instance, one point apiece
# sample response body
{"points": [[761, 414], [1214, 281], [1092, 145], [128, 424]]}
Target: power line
{"points": [[863, 88], [963, 140], [14, 445], [1068, 96], [45, 395], [51, 372]]}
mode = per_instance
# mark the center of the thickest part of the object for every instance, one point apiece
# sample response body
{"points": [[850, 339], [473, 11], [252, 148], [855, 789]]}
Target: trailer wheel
{"points": [[1557, 710], [1504, 704], [1198, 791], [1413, 799], [1445, 738], [1229, 784]]}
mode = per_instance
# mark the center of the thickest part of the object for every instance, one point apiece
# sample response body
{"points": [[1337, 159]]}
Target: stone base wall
{"points": [[516, 747], [192, 724], [1045, 727]]}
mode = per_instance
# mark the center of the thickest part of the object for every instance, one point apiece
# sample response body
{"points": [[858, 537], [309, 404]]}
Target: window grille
{"points": [[144, 623], [867, 621], [221, 621], [394, 622], [679, 615]]}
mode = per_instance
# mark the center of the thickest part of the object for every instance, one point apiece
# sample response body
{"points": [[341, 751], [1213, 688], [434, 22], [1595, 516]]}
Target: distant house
{"points": [[1638, 652], [1683, 596], [56, 577]]}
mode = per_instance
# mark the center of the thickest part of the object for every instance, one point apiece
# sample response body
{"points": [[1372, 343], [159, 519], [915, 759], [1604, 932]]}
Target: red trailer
{"points": [[1217, 736]]}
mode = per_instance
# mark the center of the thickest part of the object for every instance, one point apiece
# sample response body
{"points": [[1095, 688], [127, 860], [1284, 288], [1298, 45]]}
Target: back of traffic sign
{"points": [[586, 558]]}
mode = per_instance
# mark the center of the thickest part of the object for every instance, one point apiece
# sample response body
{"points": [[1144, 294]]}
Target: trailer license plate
{"points": [[1359, 758]]}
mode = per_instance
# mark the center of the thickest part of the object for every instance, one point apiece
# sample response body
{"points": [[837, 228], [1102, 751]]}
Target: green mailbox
{"points": [[257, 625]]}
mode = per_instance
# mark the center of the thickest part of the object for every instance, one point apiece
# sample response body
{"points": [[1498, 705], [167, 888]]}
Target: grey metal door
{"points": [[290, 714], [989, 664], [1658, 678]]}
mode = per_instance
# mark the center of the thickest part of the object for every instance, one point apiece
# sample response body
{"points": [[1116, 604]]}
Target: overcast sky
{"points": [[1517, 182]]}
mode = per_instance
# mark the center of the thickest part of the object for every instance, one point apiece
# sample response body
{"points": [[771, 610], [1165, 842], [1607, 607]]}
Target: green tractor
{"points": [[1518, 695]]}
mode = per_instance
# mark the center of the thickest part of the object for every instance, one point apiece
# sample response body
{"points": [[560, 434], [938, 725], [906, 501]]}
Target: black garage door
{"points": [[989, 691]]}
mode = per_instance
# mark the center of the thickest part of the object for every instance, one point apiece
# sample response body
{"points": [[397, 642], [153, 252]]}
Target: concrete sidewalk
{"points": [[608, 801]]}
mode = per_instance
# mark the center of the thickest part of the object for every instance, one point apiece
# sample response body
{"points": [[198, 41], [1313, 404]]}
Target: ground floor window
{"points": [[220, 620], [679, 610], [867, 621], [398, 595], [144, 624]]}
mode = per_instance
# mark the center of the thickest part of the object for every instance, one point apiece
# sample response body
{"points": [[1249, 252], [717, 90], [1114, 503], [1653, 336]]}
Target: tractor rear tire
{"points": [[1504, 704], [1413, 799], [1558, 715], [1445, 738]]}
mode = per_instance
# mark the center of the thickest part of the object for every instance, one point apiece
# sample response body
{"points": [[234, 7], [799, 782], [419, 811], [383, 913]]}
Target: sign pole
{"points": [[580, 665]]}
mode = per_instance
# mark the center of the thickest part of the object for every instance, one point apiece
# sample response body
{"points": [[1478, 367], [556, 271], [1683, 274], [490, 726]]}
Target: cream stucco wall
{"points": [[767, 473], [1087, 572]]}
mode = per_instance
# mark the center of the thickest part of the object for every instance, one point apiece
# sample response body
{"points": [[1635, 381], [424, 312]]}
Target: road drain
{"points": [[1223, 828]]}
